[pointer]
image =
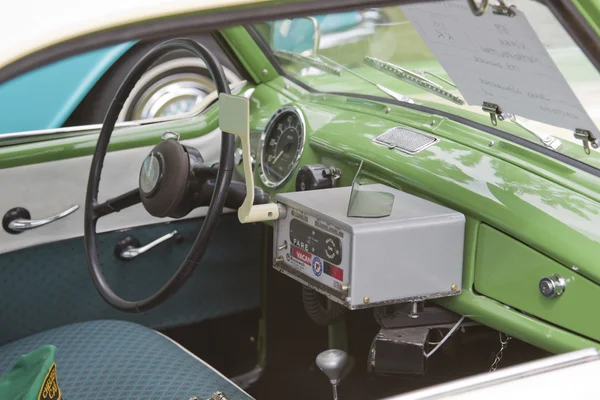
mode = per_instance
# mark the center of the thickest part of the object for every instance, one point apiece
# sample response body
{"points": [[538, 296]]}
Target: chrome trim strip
{"points": [[521, 371], [9, 139], [414, 79]]}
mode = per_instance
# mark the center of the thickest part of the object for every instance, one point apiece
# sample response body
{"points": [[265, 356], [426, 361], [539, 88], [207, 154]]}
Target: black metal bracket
{"points": [[401, 316], [494, 111], [588, 139]]}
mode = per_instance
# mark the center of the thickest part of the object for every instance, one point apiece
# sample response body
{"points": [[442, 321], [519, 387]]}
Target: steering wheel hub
{"points": [[163, 179], [150, 174]]}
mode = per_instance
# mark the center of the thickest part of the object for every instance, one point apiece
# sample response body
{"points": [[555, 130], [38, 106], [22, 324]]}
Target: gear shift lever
{"points": [[332, 363]]}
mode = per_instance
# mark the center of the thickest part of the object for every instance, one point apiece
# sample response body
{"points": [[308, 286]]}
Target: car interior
{"points": [[309, 206]]}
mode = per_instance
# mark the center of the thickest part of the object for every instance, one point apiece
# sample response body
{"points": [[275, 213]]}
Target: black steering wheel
{"points": [[168, 177]]}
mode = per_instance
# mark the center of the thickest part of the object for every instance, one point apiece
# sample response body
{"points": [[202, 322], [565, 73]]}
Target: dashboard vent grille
{"points": [[406, 140]]}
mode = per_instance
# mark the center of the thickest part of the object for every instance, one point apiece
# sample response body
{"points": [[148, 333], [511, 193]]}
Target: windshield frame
{"points": [[577, 27], [573, 162]]}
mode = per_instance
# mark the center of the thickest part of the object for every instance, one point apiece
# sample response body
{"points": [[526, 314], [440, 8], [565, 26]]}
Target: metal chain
{"points": [[503, 346]]}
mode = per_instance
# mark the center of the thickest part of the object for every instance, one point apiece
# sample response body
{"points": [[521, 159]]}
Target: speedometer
{"points": [[281, 146]]}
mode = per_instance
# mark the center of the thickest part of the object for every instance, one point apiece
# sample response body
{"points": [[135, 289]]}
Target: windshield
{"points": [[383, 52]]}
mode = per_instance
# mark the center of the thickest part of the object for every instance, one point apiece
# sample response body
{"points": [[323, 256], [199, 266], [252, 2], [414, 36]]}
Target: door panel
{"points": [[49, 188], [49, 285], [44, 278]]}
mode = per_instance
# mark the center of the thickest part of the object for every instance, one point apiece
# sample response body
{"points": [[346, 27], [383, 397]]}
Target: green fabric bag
{"points": [[33, 377]]}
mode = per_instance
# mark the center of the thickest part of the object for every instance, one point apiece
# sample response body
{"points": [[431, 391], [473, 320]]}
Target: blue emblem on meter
{"points": [[317, 266]]}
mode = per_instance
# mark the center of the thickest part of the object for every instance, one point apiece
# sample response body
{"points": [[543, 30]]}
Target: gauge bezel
{"points": [[260, 153]]}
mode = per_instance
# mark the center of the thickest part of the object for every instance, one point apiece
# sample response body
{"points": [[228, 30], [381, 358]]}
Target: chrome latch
{"points": [[500, 9], [130, 251], [587, 138], [494, 111], [504, 9]]}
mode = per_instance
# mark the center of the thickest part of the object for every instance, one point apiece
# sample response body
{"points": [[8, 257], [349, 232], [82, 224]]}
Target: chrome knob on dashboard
{"points": [[238, 157], [552, 286]]}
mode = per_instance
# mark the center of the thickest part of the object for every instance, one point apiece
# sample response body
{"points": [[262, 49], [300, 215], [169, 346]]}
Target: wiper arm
{"points": [[417, 78], [547, 140], [413, 78], [311, 61], [389, 92], [326, 64]]}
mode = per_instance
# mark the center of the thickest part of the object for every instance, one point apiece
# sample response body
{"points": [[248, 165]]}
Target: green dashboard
{"points": [[543, 210], [516, 201]]}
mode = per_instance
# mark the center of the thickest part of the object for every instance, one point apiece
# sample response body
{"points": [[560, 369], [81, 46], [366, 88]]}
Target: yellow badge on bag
{"points": [[50, 389]]}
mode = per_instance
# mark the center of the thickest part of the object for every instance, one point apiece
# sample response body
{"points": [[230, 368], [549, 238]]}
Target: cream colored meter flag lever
{"points": [[500, 60], [234, 118]]}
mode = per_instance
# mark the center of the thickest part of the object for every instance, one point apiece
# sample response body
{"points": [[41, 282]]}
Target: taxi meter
{"points": [[413, 253]]}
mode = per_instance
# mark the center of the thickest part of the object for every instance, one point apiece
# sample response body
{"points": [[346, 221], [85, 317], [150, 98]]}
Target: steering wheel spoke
{"points": [[117, 204]]}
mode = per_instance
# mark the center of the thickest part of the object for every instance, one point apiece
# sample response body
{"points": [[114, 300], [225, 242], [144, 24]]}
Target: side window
{"points": [[78, 90]]}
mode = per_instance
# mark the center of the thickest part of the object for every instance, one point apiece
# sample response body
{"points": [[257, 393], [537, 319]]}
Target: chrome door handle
{"points": [[21, 225], [131, 252]]}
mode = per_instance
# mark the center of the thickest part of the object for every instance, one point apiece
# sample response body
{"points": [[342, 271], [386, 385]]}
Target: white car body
{"points": [[27, 26]]}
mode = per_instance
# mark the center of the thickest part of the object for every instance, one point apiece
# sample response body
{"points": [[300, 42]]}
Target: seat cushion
{"points": [[122, 360]]}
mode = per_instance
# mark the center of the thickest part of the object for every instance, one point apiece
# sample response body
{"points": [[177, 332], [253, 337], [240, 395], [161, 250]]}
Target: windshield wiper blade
{"points": [[389, 92], [446, 81], [417, 78], [413, 78], [311, 61]]}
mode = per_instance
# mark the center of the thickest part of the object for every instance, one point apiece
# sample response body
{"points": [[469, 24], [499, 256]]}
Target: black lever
{"points": [[235, 196], [203, 184]]}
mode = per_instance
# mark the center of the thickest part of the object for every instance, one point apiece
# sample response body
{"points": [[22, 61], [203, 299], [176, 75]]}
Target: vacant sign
{"points": [[498, 59]]}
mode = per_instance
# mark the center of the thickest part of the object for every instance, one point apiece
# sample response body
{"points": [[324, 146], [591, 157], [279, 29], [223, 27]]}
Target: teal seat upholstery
{"points": [[122, 360]]}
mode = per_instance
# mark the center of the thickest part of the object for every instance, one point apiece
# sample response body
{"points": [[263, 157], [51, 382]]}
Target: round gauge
{"points": [[281, 146]]}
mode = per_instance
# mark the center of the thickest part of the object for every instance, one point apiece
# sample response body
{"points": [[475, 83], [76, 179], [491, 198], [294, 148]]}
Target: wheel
{"points": [[173, 85], [171, 88]]}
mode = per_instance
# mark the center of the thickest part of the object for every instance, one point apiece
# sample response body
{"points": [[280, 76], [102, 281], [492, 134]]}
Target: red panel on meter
{"points": [[334, 272]]}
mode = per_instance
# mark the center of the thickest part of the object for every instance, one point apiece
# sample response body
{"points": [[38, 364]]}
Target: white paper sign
{"points": [[500, 60]]}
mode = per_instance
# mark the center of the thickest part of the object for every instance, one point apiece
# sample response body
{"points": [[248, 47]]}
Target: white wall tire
{"points": [[173, 87]]}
